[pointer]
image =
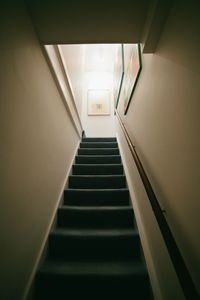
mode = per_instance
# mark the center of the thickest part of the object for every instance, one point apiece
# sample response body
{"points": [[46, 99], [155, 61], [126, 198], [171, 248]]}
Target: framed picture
{"points": [[118, 74], [98, 102], [132, 72]]}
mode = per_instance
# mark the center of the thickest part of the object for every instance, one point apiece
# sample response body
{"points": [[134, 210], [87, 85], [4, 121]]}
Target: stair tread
{"points": [[93, 268], [96, 148], [97, 190], [96, 208], [100, 142], [99, 175], [98, 155], [96, 233], [99, 138], [98, 165], [98, 145], [98, 151]]}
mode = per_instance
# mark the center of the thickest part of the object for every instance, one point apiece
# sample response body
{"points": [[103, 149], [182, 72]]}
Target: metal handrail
{"points": [[189, 290]]}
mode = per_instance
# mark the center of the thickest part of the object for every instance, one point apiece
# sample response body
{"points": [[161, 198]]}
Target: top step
{"points": [[100, 139]]}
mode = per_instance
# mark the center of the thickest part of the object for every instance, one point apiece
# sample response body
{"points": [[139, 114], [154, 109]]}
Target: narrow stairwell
{"points": [[94, 252]]}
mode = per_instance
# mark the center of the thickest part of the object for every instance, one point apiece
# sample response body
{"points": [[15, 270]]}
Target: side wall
{"points": [[37, 141], [162, 275], [163, 121], [73, 59], [62, 81]]}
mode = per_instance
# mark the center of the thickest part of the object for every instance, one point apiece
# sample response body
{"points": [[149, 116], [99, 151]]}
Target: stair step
{"points": [[98, 159], [100, 139], [93, 268], [97, 181], [107, 244], [98, 145], [95, 217], [95, 169], [98, 151], [98, 197], [92, 280], [94, 252]]}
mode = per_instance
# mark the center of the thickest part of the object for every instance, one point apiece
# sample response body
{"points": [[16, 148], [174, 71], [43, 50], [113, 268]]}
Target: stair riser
{"points": [[84, 151], [76, 287], [98, 159], [97, 169], [98, 198], [97, 182], [74, 218], [98, 145], [92, 248], [99, 140]]}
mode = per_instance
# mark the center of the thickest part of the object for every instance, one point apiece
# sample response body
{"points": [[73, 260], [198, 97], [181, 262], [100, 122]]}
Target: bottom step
{"points": [[86, 280]]}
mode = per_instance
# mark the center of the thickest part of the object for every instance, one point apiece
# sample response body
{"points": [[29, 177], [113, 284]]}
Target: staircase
{"points": [[94, 251]]}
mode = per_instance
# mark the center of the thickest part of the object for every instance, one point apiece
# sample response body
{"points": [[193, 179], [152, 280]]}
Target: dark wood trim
{"points": [[180, 267]]}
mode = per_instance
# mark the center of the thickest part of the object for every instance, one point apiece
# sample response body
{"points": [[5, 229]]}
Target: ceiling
{"points": [[99, 57], [89, 66], [69, 22]]}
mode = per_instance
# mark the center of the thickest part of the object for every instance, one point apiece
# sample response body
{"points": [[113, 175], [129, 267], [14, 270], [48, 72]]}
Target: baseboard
{"points": [[29, 292]]}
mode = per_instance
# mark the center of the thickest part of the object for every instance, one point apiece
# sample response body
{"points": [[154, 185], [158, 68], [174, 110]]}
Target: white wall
{"points": [[37, 141], [98, 126], [163, 121], [98, 75], [91, 67]]}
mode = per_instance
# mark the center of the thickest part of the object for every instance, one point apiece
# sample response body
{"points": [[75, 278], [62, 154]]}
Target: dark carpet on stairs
{"points": [[94, 252]]}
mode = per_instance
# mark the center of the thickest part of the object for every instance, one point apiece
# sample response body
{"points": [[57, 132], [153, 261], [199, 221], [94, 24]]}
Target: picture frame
{"points": [[132, 72], [98, 102], [118, 74]]}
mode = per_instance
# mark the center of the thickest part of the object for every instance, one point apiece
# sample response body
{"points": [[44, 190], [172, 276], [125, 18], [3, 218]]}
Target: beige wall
{"points": [[63, 83], [162, 275], [37, 143], [163, 121]]}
